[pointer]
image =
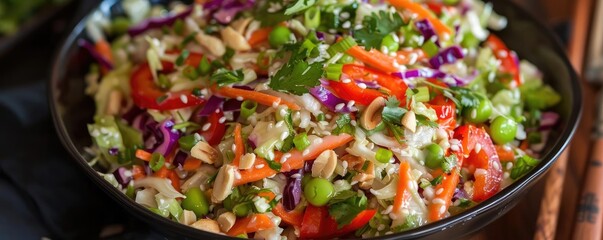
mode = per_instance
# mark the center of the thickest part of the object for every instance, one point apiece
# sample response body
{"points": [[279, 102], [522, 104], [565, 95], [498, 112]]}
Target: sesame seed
{"points": [[317, 141], [439, 191], [345, 15], [296, 176], [353, 122], [351, 104], [344, 164], [280, 124], [473, 113], [388, 209], [362, 85], [234, 147], [259, 166], [455, 148], [438, 201], [413, 58], [340, 106], [237, 175], [496, 165], [506, 175], [509, 165], [381, 227], [502, 53], [275, 104], [442, 209], [222, 119], [285, 157], [184, 99], [346, 25], [206, 126], [346, 80], [328, 116], [480, 172], [239, 98], [306, 152], [478, 148]]}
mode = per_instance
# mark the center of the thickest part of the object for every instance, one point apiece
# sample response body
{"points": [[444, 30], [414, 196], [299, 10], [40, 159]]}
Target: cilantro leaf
{"points": [[223, 76], [274, 165], [411, 221], [392, 113], [522, 166], [296, 77], [346, 207], [268, 17], [449, 163], [299, 6], [424, 121], [344, 125], [466, 98], [376, 27], [436, 180]]}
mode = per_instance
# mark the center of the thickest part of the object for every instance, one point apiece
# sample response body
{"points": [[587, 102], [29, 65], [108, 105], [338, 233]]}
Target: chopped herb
{"points": [[270, 18], [160, 99], [376, 27], [412, 221], [163, 81], [187, 125], [522, 166], [274, 165], [183, 56], [449, 163], [178, 27], [189, 38], [392, 113], [344, 125], [223, 76], [197, 92], [424, 121], [466, 97], [345, 206], [436, 180], [190, 73], [126, 156], [204, 66], [287, 144], [228, 54], [424, 183], [299, 6], [463, 202], [320, 117], [297, 77]]}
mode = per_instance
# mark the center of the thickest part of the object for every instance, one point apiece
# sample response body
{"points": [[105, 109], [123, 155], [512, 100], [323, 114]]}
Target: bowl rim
{"points": [[564, 138]]}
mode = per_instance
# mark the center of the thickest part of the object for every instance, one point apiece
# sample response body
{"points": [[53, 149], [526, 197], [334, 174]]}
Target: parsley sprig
{"points": [[345, 206]]}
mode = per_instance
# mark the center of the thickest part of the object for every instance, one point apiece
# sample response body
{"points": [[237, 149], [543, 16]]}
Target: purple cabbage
{"points": [[113, 151], [446, 56], [170, 137], [232, 105], [449, 79], [226, 10], [157, 22], [179, 158], [329, 99], [548, 120], [292, 193], [212, 104], [95, 54], [122, 176], [131, 114], [460, 193], [427, 30]]}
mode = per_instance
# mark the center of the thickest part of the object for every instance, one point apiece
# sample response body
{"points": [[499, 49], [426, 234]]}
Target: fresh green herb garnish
{"points": [[297, 77], [182, 57], [344, 125], [449, 163], [522, 166], [345, 206], [436, 180], [223, 76], [299, 6], [376, 27]]}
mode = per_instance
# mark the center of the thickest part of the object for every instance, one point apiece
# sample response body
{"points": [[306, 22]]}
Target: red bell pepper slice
{"points": [[478, 145], [508, 58], [213, 135], [146, 94], [351, 91], [445, 110], [395, 85], [318, 224]]}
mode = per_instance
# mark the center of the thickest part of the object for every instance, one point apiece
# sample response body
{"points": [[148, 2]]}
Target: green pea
{"points": [[390, 43], [479, 113], [305, 180], [279, 36], [195, 201], [187, 142], [241, 209], [434, 155], [319, 191], [503, 130], [120, 25]]}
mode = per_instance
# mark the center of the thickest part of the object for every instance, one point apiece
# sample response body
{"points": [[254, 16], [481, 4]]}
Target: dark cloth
{"points": [[43, 193]]}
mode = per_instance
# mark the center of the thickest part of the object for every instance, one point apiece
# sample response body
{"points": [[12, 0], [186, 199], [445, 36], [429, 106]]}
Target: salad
{"points": [[311, 118]]}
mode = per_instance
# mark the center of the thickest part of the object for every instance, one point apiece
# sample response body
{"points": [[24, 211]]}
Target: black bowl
{"points": [[72, 109]]}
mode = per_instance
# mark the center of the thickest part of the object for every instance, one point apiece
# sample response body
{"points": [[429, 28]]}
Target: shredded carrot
{"points": [[191, 164], [261, 98], [424, 13], [163, 172], [269, 195], [294, 161], [259, 36], [437, 210], [169, 174], [254, 173], [239, 147], [373, 58], [504, 154], [138, 172], [250, 224], [402, 196], [297, 158], [104, 49], [143, 155], [293, 217]]}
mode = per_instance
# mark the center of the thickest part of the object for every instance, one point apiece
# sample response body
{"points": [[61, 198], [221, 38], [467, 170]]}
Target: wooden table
{"points": [[520, 222]]}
